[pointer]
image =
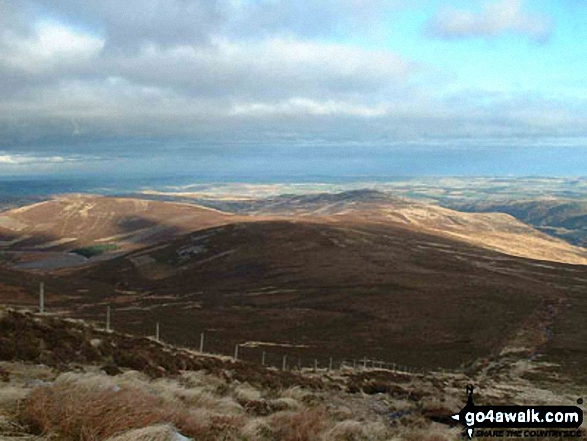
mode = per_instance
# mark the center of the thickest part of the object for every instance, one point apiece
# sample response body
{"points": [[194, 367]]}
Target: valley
{"points": [[349, 275]]}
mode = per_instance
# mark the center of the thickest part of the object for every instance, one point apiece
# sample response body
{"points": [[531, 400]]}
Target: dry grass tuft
{"points": [[245, 392], [92, 407], [161, 432], [82, 413], [10, 397], [356, 431], [305, 425]]}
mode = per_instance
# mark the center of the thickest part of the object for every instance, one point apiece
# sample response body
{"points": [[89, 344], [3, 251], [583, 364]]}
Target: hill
{"points": [[68, 230], [566, 219], [40, 235], [312, 290], [495, 231]]}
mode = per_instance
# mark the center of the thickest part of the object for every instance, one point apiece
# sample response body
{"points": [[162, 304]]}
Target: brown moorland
{"points": [[348, 290], [329, 276]]}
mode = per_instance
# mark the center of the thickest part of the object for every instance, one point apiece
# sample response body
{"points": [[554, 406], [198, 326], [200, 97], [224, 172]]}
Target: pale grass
{"points": [[256, 429], [10, 397], [168, 391], [160, 432], [246, 392], [304, 425], [22, 373], [400, 405], [192, 379], [296, 392], [350, 430], [86, 382], [285, 403]]}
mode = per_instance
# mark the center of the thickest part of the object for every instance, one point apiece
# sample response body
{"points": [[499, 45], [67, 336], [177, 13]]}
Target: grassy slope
{"points": [[348, 291], [174, 391]]}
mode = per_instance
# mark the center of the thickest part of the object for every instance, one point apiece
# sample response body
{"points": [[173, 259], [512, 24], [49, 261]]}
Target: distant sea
{"points": [[43, 186], [39, 186]]}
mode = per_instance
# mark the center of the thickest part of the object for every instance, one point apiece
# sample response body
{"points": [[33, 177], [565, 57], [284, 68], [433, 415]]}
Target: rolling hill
{"points": [[314, 290], [566, 219], [42, 235], [496, 231], [349, 275]]}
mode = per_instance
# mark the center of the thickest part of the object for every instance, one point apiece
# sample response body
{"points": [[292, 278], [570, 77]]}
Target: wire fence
{"points": [[264, 353], [283, 357]]}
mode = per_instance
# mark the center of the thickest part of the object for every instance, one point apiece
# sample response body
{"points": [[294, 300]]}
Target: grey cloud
{"points": [[127, 25], [496, 18], [163, 70], [131, 23]]}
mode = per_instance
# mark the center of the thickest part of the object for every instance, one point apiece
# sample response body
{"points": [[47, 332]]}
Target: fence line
{"points": [[284, 361], [276, 360]]}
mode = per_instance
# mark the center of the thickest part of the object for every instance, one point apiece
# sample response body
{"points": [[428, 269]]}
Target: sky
{"points": [[228, 88]]}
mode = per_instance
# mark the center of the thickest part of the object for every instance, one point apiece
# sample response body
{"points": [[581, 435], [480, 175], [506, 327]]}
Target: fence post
{"points": [[283, 365], [108, 318], [157, 331], [263, 358], [201, 342], [330, 364], [236, 352], [365, 363], [315, 365], [42, 298]]}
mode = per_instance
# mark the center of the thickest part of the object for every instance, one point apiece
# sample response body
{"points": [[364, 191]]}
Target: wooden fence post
{"points": [[42, 298]]}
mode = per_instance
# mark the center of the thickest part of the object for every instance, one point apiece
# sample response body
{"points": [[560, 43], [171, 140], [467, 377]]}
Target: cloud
{"points": [[302, 106], [268, 68], [51, 45], [84, 77], [77, 89], [496, 18], [128, 25], [11, 159]]}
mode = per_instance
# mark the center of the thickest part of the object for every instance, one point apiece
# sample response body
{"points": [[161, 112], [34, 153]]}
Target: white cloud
{"points": [[304, 106], [232, 70], [7, 159], [272, 67], [51, 46], [495, 19], [202, 81]]}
